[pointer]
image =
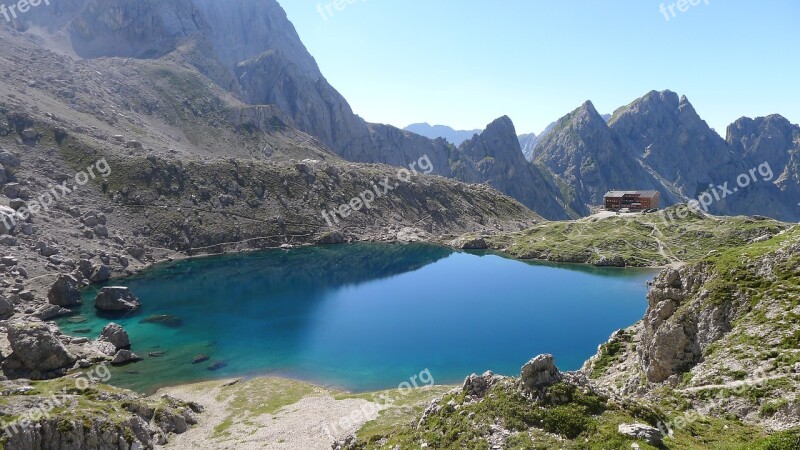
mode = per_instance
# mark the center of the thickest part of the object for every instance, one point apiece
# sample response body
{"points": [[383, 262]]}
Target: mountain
{"points": [[455, 137], [690, 158], [495, 156], [591, 159], [254, 52], [774, 140]]}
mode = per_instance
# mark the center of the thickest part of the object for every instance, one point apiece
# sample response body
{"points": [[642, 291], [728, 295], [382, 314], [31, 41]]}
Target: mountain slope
{"points": [[251, 50], [592, 159], [772, 139], [495, 156], [671, 138]]}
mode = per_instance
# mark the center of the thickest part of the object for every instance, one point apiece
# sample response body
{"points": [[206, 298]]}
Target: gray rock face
{"points": [[64, 292], [540, 372], [640, 431], [676, 143], [116, 298], [674, 342], [495, 157], [771, 139], [478, 385], [116, 335], [35, 350], [592, 158]]}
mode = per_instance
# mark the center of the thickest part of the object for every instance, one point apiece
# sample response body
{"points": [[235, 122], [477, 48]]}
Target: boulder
{"points": [[48, 311], [478, 385], [6, 308], [100, 272], [116, 298], [37, 348], [3, 178], [641, 431], [64, 291], [124, 357], [116, 335], [470, 243], [540, 372], [614, 261], [8, 159]]}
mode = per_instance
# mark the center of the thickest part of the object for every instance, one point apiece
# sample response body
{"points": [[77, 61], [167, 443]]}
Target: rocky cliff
{"points": [[690, 158], [591, 159], [722, 332], [495, 156], [775, 140]]}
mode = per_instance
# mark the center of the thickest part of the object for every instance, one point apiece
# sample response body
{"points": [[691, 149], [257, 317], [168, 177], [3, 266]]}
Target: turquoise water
{"points": [[364, 316]]}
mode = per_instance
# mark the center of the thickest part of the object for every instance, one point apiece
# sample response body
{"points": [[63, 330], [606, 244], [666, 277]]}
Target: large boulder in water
{"points": [[36, 351], [64, 291], [540, 372], [116, 335], [116, 298]]}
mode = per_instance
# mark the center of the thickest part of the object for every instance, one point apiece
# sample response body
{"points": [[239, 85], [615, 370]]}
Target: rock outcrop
{"points": [[116, 335], [592, 159], [64, 291], [116, 298], [649, 434], [36, 352], [540, 372]]}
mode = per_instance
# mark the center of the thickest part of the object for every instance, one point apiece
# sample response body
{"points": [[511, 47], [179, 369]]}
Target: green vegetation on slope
{"points": [[566, 417], [652, 240]]}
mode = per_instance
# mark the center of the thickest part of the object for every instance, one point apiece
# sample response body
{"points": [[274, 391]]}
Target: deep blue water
{"points": [[365, 316]]}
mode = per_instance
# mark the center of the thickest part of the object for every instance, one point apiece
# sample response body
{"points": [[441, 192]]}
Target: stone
{"points": [[6, 308], [49, 311], [12, 190], [64, 292], [8, 159], [115, 334], [124, 357], [37, 348], [614, 261], [200, 358], [116, 298], [641, 431], [330, 238], [540, 372], [468, 243], [478, 385], [100, 272], [217, 366]]}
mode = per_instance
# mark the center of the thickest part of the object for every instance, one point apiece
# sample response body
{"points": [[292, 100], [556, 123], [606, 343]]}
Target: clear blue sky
{"points": [[465, 63]]}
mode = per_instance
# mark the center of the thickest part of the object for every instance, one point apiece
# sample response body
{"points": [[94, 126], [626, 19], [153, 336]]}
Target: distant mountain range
{"points": [[455, 137], [253, 51]]}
